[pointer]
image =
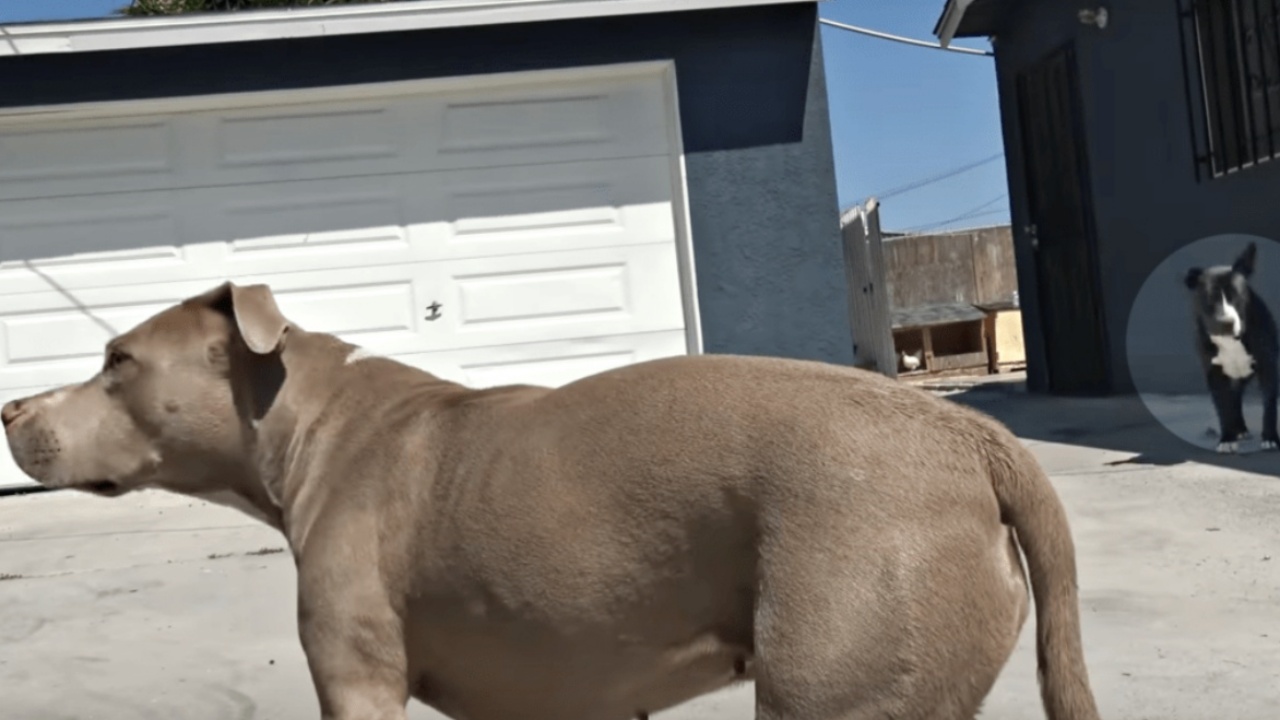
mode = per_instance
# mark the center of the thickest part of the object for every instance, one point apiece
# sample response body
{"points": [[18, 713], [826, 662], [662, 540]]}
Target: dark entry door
{"points": [[1061, 228]]}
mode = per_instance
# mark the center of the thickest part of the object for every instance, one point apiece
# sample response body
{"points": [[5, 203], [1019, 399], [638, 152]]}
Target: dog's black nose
{"points": [[11, 412]]}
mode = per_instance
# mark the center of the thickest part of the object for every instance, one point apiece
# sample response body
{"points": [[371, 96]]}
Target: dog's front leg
{"points": [[354, 644], [1237, 410], [1226, 401]]}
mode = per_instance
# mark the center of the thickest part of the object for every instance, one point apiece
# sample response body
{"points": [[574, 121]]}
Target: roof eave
{"points": [[949, 22], [211, 28]]}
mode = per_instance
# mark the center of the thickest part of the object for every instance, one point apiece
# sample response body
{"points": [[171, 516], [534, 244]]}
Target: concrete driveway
{"points": [[155, 606]]}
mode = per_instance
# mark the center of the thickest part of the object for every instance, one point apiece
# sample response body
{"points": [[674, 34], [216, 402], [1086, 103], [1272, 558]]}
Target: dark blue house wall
{"points": [[1147, 200], [753, 108]]}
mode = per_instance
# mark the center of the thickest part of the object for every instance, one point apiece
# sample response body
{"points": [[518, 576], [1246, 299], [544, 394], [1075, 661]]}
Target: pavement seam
{"points": [[122, 568], [212, 528]]}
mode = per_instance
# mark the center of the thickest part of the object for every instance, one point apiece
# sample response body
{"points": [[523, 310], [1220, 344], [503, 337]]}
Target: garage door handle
{"points": [[433, 311]]}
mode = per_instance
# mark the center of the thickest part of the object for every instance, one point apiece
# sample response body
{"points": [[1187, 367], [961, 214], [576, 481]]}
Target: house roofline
{"points": [[211, 28], [949, 22]]}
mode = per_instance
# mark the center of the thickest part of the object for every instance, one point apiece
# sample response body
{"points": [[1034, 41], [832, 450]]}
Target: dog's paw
{"points": [[1270, 444], [1227, 448]]}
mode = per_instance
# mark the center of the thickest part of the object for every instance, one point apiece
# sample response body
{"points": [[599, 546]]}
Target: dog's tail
{"points": [[1029, 503]]}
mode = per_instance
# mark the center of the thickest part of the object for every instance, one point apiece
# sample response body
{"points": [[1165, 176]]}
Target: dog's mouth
{"points": [[1226, 326], [103, 488]]}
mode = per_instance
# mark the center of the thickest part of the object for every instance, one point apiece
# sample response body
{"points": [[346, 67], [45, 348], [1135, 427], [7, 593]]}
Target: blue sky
{"points": [[900, 114]]}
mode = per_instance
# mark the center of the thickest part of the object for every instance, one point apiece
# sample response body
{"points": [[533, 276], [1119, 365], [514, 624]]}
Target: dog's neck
{"points": [[249, 497], [319, 372]]}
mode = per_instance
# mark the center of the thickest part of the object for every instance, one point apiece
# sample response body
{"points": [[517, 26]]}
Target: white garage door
{"points": [[516, 229]]}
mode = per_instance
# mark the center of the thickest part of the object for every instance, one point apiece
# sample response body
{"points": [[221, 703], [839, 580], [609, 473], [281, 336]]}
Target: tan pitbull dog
{"points": [[611, 548]]}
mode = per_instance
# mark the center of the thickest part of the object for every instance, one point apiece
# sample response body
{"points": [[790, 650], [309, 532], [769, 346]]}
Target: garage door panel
{"points": [[331, 224], [364, 218], [495, 129], [553, 207], [70, 334], [423, 307], [56, 346], [52, 338], [58, 232], [547, 363], [77, 272], [102, 240], [298, 142], [460, 128], [386, 307], [481, 302], [524, 124], [527, 298], [496, 296], [93, 155], [439, 216]]}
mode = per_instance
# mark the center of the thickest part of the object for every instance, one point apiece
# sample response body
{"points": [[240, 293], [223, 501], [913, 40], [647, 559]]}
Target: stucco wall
{"points": [[1147, 199], [761, 178]]}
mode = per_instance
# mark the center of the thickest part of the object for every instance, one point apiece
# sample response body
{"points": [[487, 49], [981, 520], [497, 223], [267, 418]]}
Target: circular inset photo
{"points": [[1202, 343]]}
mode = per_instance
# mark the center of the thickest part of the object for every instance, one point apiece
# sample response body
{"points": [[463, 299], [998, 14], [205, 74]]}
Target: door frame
{"points": [[1087, 209]]}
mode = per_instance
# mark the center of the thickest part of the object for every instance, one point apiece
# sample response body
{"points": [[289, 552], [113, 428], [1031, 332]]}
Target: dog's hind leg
{"points": [[1270, 385], [888, 626]]}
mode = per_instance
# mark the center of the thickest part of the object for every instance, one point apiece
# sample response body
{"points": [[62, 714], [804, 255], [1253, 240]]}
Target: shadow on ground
{"points": [[1124, 424]]}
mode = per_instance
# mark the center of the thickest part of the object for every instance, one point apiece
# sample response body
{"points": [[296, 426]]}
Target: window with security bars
{"points": [[1233, 82]]}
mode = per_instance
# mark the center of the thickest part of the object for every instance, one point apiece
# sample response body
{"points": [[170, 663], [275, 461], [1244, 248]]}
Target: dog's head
{"points": [[1220, 295], [170, 407]]}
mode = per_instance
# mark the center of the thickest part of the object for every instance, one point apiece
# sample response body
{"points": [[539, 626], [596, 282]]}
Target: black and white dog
{"points": [[1237, 340]]}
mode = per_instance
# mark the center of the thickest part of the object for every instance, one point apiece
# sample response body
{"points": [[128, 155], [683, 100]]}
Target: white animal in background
{"points": [[911, 362]]}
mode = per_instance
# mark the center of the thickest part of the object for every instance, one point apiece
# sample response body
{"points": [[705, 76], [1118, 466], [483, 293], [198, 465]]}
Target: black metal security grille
{"points": [[1233, 81]]}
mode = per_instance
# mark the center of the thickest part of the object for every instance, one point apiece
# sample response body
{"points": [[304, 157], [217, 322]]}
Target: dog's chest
{"points": [[1232, 357]]}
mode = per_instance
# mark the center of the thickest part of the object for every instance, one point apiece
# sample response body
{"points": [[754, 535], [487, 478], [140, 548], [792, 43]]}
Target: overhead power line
{"points": [[952, 221], [905, 40], [944, 175], [976, 211]]}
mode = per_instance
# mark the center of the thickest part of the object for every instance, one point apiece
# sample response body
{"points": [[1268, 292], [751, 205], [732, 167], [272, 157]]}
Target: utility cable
{"points": [[945, 174], [905, 40], [922, 229], [974, 212]]}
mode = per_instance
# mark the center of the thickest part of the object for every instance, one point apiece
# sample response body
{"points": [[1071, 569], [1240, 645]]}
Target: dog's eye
{"points": [[115, 359]]}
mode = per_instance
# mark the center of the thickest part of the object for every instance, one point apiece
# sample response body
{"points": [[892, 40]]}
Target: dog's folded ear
{"points": [[1192, 278], [1244, 263], [254, 310], [261, 323]]}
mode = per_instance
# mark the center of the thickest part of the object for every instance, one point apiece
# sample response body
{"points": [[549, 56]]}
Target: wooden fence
{"points": [[973, 267], [917, 294], [869, 303]]}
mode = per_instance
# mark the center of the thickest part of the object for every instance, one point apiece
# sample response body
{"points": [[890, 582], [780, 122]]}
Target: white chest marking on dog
{"points": [[1228, 314], [359, 354], [226, 498], [1235, 361]]}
